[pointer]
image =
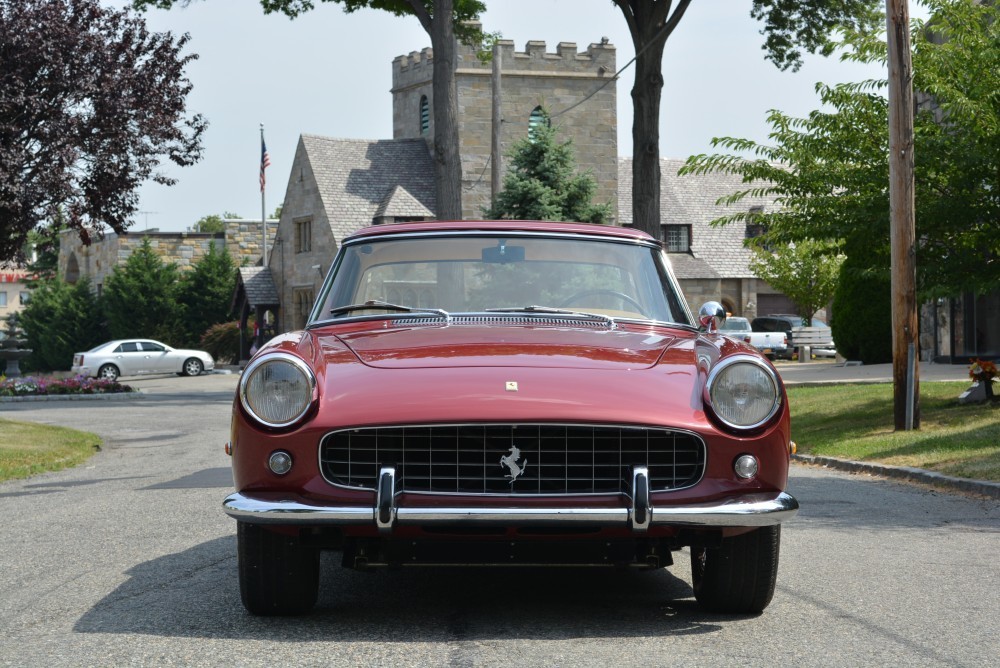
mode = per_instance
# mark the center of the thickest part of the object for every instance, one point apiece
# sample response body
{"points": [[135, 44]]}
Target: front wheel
{"points": [[108, 372], [739, 576], [193, 367], [278, 574]]}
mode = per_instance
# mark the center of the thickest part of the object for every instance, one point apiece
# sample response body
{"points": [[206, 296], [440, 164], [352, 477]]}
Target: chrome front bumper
{"points": [[748, 510]]}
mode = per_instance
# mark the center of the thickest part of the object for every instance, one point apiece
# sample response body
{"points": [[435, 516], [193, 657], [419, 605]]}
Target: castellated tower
{"points": [[529, 79]]}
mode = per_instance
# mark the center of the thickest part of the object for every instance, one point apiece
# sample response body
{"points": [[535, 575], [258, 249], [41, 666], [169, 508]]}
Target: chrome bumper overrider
{"points": [[748, 510]]}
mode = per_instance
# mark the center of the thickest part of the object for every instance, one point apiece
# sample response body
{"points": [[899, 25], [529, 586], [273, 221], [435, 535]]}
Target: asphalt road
{"points": [[129, 560]]}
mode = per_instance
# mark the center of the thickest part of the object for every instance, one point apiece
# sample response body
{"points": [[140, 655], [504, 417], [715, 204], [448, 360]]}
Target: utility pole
{"points": [[497, 120], [905, 370]]}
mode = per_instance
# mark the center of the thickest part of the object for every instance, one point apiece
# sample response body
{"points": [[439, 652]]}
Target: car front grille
{"points": [[482, 459]]}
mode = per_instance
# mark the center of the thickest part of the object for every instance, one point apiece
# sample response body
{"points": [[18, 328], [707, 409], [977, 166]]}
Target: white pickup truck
{"points": [[772, 344]]}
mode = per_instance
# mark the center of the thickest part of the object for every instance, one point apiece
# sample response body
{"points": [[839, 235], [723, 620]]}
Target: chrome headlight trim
{"points": [[277, 358], [769, 374]]}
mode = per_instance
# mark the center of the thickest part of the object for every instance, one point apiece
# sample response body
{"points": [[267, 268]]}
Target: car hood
{"points": [[424, 347]]}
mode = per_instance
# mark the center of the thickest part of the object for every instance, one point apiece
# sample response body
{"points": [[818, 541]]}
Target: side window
{"points": [[154, 347], [425, 116], [128, 347], [538, 119]]}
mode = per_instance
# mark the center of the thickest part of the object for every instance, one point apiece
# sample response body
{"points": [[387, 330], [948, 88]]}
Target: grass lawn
{"points": [[855, 422], [27, 449]]}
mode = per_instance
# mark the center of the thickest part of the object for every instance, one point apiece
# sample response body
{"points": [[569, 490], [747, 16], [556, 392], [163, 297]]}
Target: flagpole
{"points": [[263, 214]]}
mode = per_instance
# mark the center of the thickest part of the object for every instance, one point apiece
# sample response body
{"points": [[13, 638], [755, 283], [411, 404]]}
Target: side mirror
{"points": [[711, 316]]}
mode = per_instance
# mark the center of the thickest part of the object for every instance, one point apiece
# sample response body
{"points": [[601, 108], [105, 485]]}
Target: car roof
{"points": [[502, 226]]}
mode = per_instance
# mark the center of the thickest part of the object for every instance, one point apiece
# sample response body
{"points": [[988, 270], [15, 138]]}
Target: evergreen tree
{"points": [[541, 183], [61, 319], [141, 298], [206, 293]]}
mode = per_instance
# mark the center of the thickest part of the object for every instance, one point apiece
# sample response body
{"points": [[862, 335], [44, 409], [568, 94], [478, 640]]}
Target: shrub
{"points": [[32, 386], [222, 341], [862, 306]]}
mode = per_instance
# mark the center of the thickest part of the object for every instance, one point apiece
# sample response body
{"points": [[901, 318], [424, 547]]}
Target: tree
{"points": [[540, 183], [91, 103], [206, 293], [828, 171], [141, 298], [788, 26], [806, 272], [214, 222], [61, 319], [444, 20]]}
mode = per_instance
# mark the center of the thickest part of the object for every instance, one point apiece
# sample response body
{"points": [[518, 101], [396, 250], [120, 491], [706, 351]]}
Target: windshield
{"points": [[475, 273]]}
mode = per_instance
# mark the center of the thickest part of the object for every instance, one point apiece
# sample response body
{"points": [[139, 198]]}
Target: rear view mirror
{"points": [[502, 254]]}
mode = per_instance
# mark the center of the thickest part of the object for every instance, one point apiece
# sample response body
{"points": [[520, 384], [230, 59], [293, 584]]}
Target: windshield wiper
{"points": [[374, 304], [551, 310]]}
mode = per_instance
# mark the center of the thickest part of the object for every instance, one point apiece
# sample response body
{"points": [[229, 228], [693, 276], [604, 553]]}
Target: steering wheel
{"points": [[604, 291]]}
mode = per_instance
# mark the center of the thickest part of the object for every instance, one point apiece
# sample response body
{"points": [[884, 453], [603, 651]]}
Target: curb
{"points": [[105, 396], [983, 487]]}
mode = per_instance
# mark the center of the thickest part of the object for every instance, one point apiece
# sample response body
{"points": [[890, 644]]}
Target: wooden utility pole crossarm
{"points": [[905, 370]]}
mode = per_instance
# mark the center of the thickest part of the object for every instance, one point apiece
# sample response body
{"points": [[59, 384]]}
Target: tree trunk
{"points": [[650, 23], [447, 160], [646, 94]]}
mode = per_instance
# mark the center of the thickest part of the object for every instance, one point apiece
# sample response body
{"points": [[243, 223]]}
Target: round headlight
{"points": [[743, 392], [277, 389]]}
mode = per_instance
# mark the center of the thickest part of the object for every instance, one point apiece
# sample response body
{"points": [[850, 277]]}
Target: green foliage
{"points": [[60, 320], [829, 171], [222, 341], [806, 272], [862, 304], [206, 293], [141, 298], [540, 183], [91, 104]]}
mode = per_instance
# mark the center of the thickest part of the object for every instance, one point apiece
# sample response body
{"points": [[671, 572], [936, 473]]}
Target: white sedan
{"points": [[129, 357]]}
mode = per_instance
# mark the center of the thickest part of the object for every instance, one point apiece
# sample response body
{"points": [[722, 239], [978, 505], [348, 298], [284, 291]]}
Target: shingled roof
{"points": [[399, 203], [356, 176], [691, 200], [258, 286]]}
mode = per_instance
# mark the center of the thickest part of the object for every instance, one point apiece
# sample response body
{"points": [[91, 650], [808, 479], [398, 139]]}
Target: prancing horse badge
{"points": [[510, 461]]}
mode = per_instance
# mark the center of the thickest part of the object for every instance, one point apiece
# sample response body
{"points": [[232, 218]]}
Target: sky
{"points": [[330, 73]]}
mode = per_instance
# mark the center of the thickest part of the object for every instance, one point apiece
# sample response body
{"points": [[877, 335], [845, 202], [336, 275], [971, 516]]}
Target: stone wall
{"points": [[530, 78], [185, 249]]}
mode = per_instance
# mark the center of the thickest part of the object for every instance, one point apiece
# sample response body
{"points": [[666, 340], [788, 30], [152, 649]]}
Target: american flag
{"points": [[265, 161]]}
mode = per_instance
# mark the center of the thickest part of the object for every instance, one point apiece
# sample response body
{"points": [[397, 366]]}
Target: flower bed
{"points": [[29, 386]]}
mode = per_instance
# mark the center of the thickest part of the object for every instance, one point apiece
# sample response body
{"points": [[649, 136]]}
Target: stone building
{"points": [[711, 263], [531, 80], [338, 186], [242, 238]]}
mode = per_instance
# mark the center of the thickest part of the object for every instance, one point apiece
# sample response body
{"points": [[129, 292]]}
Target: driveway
{"points": [[129, 560]]}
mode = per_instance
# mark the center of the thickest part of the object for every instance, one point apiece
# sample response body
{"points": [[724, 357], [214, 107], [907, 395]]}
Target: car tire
{"points": [[278, 574], [108, 372], [193, 367], [739, 576]]}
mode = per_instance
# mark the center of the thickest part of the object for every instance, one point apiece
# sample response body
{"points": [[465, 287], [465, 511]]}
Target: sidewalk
{"points": [[827, 372]]}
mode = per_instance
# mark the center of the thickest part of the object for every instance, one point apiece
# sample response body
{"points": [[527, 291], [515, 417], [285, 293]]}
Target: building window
{"points": [[425, 116], [755, 226], [538, 119], [677, 238], [25, 297], [302, 304], [303, 236], [3, 299]]}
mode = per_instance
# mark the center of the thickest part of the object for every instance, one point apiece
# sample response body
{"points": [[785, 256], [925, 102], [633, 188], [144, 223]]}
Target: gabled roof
{"points": [[355, 176], [691, 200], [399, 203], [258, 286]]}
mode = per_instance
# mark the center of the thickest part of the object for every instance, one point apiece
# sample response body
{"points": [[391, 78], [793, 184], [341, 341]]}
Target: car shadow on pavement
{"points": [[195, 593]]}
